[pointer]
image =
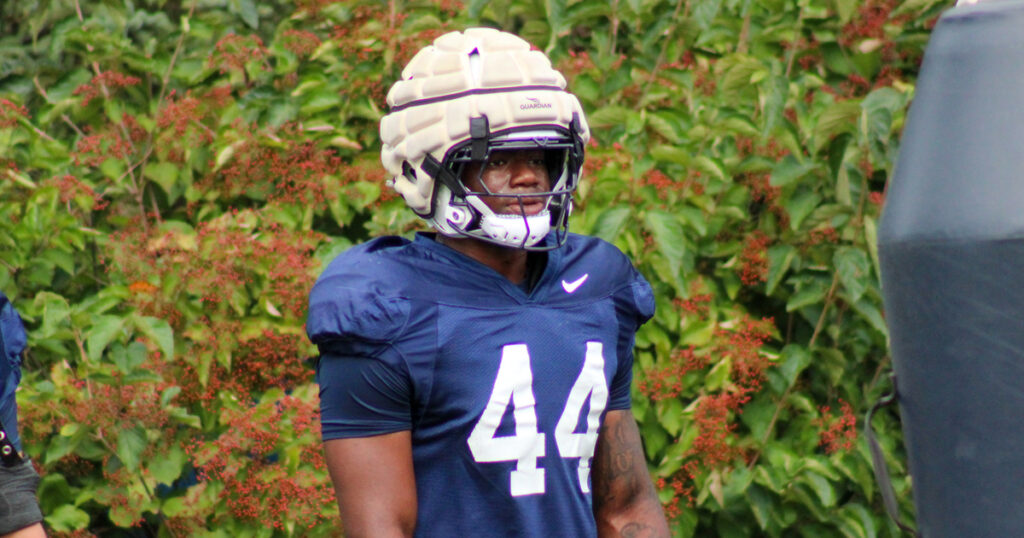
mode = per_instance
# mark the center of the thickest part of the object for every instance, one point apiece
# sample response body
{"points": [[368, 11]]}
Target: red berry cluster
{"points": [[104, 84]]}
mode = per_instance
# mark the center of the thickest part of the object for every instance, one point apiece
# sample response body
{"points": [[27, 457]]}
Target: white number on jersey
{"points": [[591, 383], [514, 383]]}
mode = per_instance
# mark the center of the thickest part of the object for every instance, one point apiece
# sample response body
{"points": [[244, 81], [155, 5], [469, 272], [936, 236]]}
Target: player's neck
{"points": [[507, 261]]}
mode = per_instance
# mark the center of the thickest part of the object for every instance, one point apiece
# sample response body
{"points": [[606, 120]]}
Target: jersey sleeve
{"points": [[362, 397], [12, 342], [365, 385], [634, 305]]}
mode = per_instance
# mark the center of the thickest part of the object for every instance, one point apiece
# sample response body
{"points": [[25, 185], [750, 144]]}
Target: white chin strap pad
{"points": [[516, 230]]}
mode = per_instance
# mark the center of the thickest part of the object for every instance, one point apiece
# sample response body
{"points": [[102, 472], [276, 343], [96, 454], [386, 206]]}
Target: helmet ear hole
{"points": [[457, 217], [408, 171]]}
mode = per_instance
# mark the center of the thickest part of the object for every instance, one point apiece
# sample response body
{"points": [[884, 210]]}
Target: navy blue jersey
{"points": [[503, 389], [12, 343]]}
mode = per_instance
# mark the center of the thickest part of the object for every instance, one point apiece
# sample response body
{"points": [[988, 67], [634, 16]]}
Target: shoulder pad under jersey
{"points": [[356, 296]]}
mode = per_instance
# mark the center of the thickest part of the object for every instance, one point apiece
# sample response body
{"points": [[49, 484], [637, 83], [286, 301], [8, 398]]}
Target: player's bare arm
{"points": [[625, 503], [374, 482]]}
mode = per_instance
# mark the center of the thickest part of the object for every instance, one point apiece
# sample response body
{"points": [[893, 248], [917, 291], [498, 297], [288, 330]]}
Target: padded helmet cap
{"points": [[444, 92]]}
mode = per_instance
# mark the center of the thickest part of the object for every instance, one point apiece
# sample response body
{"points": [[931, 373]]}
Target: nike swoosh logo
{"points": [[570, 287]]}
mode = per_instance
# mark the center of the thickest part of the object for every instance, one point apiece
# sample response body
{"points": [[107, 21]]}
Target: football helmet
{"points": [[459, 100]]}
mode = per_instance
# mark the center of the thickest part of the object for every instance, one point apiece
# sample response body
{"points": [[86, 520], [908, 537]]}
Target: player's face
{"points": [[511, 172]]}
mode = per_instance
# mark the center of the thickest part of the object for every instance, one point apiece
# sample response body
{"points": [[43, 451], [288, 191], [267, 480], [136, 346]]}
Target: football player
{"points": [[20, 516], [476, 381]]}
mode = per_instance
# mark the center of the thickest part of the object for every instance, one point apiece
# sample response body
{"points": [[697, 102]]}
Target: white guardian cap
{"points": [[469, 94]]}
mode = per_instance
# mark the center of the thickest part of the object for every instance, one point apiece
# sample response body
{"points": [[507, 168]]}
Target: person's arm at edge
{"points": [[625, 502], [374, 483], [34, 530]]}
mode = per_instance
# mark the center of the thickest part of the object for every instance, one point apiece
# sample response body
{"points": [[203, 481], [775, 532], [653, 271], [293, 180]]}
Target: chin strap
{"points": [[433, 168], [878, 460]]}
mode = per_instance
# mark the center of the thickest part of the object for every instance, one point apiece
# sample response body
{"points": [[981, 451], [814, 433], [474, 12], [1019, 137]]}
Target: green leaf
{"points": [[672, 154], [123, 516], [914, 6], [476, 7], [610, 222], [635, 123], [738, 75], [885, 98], [130, 444], [168, 394], [674, 454], [104, 330], [871, 237], [872, 314], [843, 193], [694, 218], [182, 416], [775, 103], [736, 482], [556, 18], [59, 447], [609, 116], [857, 521], [810, 293], [840, 117], [789, 170], [164, 174], [670, 415], [854, 270], [710, 166], [857, 471], [705, 12], [59, 258], [821, 487], [159, 330], [247, 10], [174, 506], [128, 359], [822, 466], [795, 358], [779, 259], [757, 415], [698, 332], [56, 311], [845, 9], [718, 375], [664, 127], [799, 206], [167, 468], [67, 518], [668, 237], [773, 478], [760, 504]]}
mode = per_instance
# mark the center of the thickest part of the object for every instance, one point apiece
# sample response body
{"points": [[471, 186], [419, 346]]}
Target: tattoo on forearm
{"points": [[618, 462], [637, 530], [625, 502]]}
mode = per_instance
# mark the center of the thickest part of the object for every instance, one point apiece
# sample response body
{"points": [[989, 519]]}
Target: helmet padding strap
{"points": [[478, 132]]}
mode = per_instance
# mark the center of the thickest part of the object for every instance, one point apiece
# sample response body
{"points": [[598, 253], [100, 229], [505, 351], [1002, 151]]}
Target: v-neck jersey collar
{"points": [[427, 242]]}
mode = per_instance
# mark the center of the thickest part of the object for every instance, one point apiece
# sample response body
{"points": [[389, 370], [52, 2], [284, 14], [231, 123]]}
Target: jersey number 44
{"points": [[514, 383]]}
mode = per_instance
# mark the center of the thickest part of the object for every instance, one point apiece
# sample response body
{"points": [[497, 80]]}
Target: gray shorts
{"points": [[18, 505]]}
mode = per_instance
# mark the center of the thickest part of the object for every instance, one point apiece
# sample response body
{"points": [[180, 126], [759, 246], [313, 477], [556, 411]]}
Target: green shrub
{"points": [[175, 173]]}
